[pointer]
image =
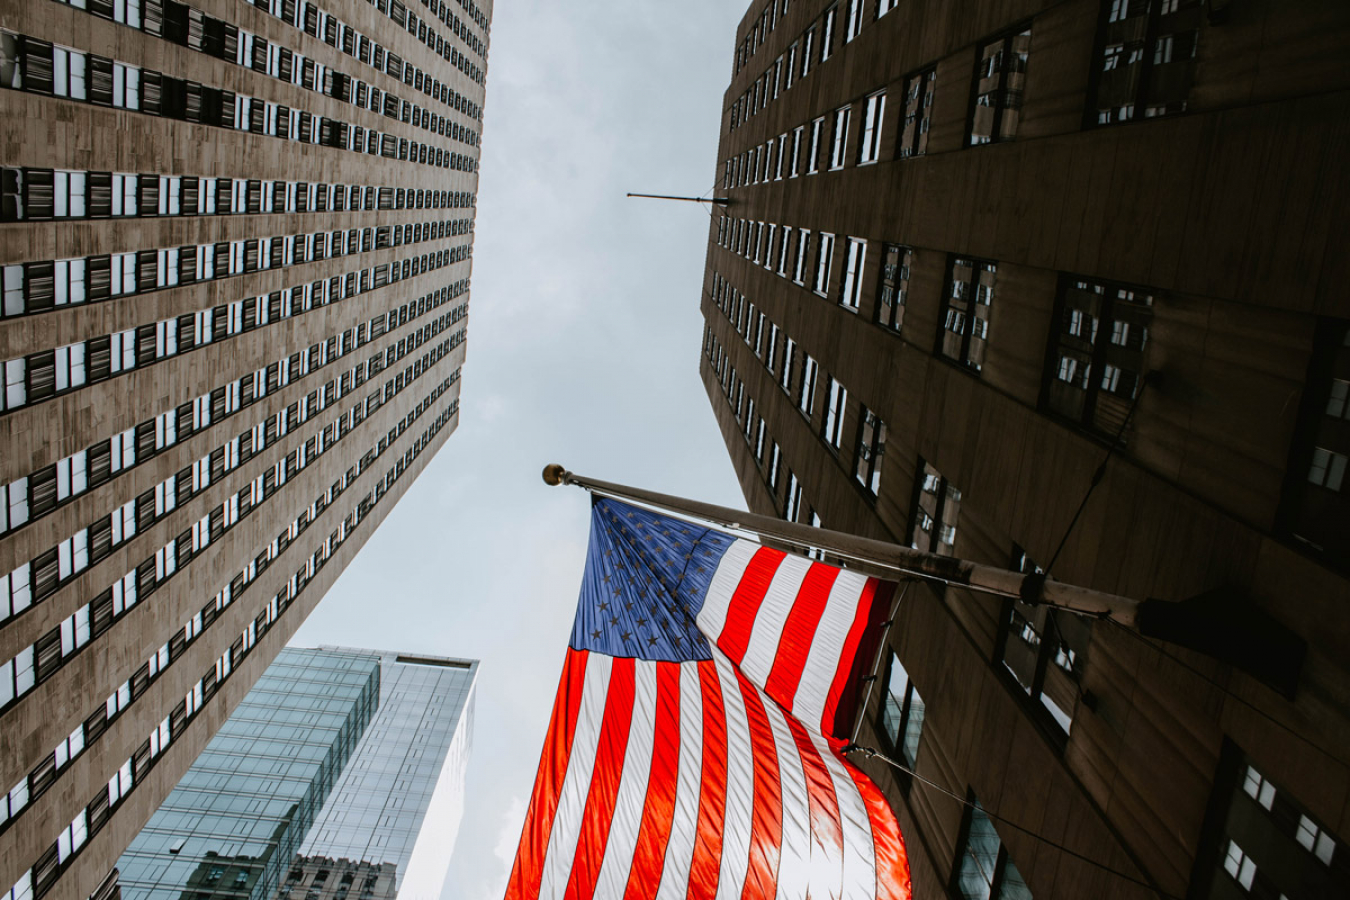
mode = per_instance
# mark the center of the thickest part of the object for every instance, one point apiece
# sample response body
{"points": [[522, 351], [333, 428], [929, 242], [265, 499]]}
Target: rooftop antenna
{"points": [[719, 201]]}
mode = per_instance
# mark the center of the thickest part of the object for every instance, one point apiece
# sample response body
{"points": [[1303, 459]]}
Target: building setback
{"points": [[971, 249], [231, 826], [399, 801], [235, 245]]}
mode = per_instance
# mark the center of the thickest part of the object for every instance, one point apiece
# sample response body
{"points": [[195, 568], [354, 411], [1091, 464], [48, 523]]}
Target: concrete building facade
{"points": [[979, 257], [236, 243]]}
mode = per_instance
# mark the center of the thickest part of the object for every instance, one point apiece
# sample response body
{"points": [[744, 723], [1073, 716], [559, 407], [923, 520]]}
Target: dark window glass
{"points": [[1145, 58], [1097, 353], [1000, 76], [964, 328], [919, 90]]}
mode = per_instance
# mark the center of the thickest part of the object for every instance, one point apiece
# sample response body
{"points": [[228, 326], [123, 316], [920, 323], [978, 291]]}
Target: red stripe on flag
{"points": [[828, 726], [892, 861], [528, 869], [799, 630], [712, 796], [827, 835], [745, 602], [604, 792], [766, 825], [654, 833]]}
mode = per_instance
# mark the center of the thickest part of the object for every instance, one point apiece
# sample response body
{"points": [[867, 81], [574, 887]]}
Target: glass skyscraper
{"points": [[232, 825], [401, 797]]}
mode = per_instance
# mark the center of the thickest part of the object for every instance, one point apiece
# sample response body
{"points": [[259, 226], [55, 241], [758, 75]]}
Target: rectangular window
{"points": [[855, 254], [1044, 651], [803, 254], [1315, 501], [874, 113], [870, 448], [839, 137], [1146, 60], [894, 287], [1000, 77], [837, 399], [793, 500], [827, 33], [798, 134], [824, 255], [937, 511], [902, 712], [1096, 361], [983, 870], [806, 395], [813, 151], [919, 90], [853, 27], [808, 46], [964, 329]]}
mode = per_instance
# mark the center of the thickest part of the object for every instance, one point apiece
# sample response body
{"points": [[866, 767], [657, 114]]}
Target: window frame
{"points": [[1001, 90]]}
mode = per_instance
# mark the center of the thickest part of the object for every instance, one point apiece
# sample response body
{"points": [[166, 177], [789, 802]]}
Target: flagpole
{"points": [[882, 557]]}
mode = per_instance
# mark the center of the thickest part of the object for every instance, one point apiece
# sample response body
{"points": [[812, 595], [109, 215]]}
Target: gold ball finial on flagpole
{"points": [[554, 474]]}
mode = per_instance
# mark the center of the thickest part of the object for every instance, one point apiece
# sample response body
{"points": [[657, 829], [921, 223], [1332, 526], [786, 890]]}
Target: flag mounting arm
{"points": [[1224, 623], [878, 557]]}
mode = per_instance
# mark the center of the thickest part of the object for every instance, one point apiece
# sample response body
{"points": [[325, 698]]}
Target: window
{"points": [[855, 20], [855, 252], [871, 447], [808, 46], [813, 151], [1096, 360], [827, 33], [793, 502], [1044, 650], [874, 112], [798, 133], [837, 398], [806, 395], [789, 360], [824, 251], [894, 288], [1315, 501], [937, 511], [1146, 59], [839, 137], [1261, 840], [983, 870], [803, 250], [1000, 75], [901, 713], [964, 329], [918, 113]]}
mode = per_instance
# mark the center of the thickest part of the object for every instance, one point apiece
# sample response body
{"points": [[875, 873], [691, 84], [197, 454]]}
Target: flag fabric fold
{"points": [[695, 745]]}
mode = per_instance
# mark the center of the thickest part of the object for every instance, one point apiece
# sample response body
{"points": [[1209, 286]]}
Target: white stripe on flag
{"points": [[713, 616], [767, 630], [632, 796], [680, 848], [740, 785], [827, 649], [566, 831], [860, 874], [794, 868]]}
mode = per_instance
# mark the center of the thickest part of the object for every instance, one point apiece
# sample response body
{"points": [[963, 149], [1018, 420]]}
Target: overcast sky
{"points": [[584, 339]]}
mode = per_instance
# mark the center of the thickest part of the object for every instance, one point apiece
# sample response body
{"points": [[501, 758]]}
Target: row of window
{"points": [[37, 194], [190, 27], [1131, 82], [41, 660], [39, 879], [795, 63], [40, 286], [36, 66], [40, 578], [759, 32], [33, 496], [1096, 360], [46, 374]]}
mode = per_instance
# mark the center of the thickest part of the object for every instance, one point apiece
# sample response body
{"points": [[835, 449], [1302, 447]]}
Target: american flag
{"points": [[695, 747]]}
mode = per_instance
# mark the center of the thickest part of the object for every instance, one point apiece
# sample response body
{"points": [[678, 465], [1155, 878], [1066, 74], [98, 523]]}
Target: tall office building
{"points": [[972, 250], [399, 802], [235, 250], [231, 826]]}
